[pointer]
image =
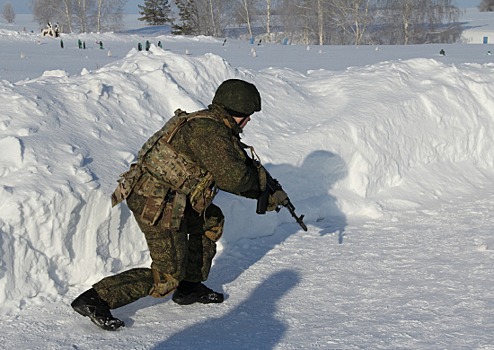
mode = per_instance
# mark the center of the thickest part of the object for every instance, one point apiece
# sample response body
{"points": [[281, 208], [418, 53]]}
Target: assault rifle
{"points": [[272, 185]]}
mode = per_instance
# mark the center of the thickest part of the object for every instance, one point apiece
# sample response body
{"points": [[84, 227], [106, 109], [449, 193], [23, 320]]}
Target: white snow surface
{"points": [[387, 151]]}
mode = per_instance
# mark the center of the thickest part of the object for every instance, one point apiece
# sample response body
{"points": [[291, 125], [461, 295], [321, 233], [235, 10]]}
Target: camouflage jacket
{"points": [[203, 154], [214, 144]]}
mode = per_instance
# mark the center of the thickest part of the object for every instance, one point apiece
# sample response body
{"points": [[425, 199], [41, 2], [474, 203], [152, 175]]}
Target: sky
{"points": [[386, 150], [23, 6]]}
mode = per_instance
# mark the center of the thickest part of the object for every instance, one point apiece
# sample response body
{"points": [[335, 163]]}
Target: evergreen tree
{"points": [[486, 6], [187, 11], [155, 12]]}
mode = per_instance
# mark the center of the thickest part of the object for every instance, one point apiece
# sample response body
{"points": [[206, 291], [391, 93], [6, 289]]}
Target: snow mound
{"points": [[342, 141]]}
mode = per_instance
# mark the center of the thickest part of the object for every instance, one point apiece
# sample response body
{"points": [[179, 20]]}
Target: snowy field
{"points": [[388, 151]]}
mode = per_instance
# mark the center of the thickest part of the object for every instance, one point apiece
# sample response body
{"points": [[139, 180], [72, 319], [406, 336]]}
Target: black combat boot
{"points": [[91, 305], [195, 292]]}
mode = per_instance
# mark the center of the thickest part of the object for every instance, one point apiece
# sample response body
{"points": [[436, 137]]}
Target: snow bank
{"points": [[336, 141]]}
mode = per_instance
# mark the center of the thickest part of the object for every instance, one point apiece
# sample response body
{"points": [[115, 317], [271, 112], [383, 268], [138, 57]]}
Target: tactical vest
{"points": [[166, 177]]}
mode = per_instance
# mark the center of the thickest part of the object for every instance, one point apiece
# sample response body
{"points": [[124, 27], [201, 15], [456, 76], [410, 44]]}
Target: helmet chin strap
{"points": [[242, 120]]}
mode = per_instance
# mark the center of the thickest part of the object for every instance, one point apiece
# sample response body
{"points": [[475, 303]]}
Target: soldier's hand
{"points": [[279, 197]]}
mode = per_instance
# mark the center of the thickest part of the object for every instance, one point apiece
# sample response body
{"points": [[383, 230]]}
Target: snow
{"points": [[387, 151]]}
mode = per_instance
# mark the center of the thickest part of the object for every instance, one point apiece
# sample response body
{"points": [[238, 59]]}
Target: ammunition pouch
{"points": [[155, 193], [167, 178], [126, 184], [181, 174]]}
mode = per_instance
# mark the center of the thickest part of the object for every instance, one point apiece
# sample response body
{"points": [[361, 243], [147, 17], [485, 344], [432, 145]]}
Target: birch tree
{"points": [[243, 12], [79, 15], [352, 17], [8, 13]]}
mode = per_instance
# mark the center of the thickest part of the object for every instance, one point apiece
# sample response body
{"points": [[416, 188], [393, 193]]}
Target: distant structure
{"points": [[51, 30]]}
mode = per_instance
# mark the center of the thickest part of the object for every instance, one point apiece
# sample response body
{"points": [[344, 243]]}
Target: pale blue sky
{"points": [[23, 6]]}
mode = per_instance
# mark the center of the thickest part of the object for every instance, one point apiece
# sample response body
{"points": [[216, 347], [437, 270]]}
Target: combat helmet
{"points": [[238, 97]]}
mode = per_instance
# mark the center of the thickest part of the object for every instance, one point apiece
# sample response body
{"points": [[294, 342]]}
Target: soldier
{"points": [[170, 191]]}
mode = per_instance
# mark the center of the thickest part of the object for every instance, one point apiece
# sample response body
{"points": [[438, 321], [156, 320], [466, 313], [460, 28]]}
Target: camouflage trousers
{"points": [[186, 254]]}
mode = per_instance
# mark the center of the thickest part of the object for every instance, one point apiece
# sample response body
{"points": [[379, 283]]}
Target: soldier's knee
{"points": [[163, 284], [213, 212], [215, 232]]}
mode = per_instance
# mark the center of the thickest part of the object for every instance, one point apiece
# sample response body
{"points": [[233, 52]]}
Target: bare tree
{"points": [[79, 15], [320, 20], [351, 17], [287, 12], [109, 15], [308, 20], [83, 10], [54, 11], [268, 16], [244, 11], [420, 21], [8, 13], [334, 21], [66, 10], [215, 18]]}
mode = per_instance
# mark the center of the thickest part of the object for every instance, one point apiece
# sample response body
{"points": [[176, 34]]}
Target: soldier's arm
{"points": [[223, 158]]}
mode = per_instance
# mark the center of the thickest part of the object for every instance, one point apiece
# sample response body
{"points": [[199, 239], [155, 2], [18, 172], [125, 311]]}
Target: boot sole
{"points": [[98, 321]]}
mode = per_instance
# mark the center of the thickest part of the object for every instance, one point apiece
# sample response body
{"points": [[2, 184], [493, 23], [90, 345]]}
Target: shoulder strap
{"points": [[169, 130], [186, 119]]}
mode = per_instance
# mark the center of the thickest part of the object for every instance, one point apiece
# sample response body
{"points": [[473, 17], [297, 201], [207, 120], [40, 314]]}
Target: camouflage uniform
{"points": [[184, 251]]}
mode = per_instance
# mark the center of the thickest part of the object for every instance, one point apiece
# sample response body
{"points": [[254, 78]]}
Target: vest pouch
{"points": [[155, 193], [203, 193], [173, 212], [126, 184], [173, 168]]}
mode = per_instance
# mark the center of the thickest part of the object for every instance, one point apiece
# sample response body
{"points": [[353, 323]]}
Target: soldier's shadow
{"points": [[251, 325], [308, 186]]}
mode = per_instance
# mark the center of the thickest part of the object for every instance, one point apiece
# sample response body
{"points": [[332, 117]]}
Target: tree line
{"points": [[80, 15], [322, 22]]}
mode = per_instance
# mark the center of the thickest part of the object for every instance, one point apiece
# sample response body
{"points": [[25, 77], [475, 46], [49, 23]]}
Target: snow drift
{"points": [[349, 138]]}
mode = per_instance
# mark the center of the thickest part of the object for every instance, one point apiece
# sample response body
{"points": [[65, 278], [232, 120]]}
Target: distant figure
{"points": [[51, 30], [224, 42], [159, 44], [442, 52], [259, 43], [139, 47], [148, 45]]}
